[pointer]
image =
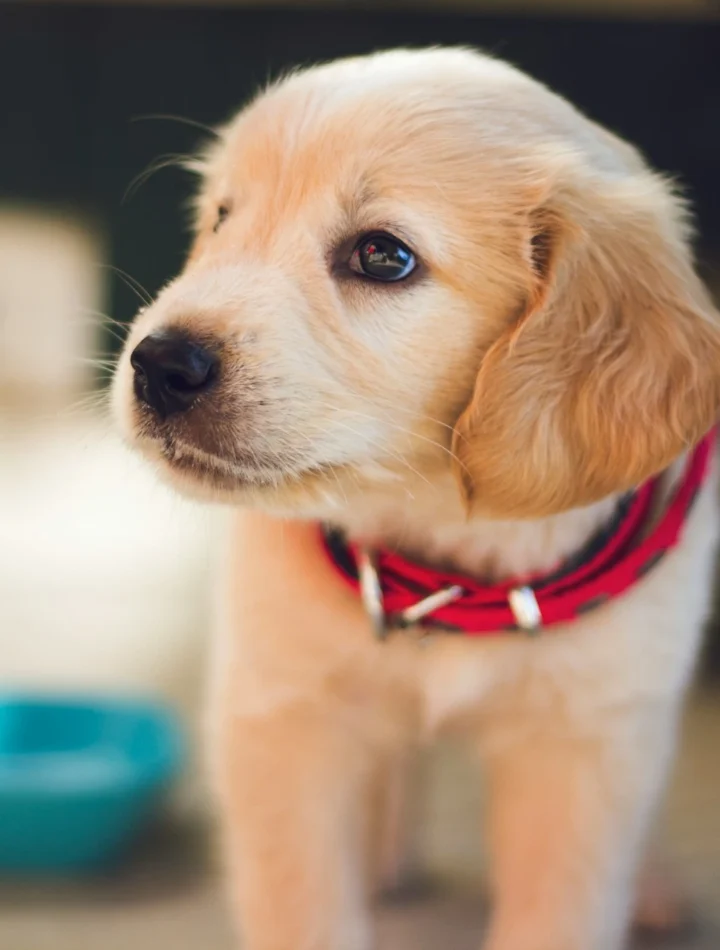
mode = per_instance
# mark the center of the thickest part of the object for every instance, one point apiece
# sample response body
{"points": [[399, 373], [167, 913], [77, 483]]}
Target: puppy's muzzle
{"points": [[172, 370]]}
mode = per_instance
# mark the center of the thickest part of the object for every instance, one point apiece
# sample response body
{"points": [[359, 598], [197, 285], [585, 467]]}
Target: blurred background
{"points": [[104, 576]]}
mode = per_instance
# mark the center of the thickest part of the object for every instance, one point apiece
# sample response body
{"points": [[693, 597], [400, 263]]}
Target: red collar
{"points": [[401, 593]]}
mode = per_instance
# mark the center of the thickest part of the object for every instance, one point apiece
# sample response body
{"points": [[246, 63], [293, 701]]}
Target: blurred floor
{"points": [[174, 902]]}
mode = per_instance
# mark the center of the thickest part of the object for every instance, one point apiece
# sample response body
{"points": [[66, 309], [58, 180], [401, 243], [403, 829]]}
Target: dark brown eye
{"points": [[222, 212], [382, 257]]}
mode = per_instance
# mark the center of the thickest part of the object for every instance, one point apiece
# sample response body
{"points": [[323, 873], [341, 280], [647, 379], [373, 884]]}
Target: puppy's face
{"points": [[370, 237], [350, 268]]}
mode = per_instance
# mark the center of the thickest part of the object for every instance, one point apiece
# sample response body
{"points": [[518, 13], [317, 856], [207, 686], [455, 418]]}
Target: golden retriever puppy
{"points": [[435, 310]]}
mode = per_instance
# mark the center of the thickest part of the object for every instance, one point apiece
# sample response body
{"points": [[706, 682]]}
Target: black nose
{"points": [[171, 371]]}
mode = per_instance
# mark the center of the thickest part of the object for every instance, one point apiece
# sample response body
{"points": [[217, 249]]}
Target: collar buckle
{"points": [[372, 598]]}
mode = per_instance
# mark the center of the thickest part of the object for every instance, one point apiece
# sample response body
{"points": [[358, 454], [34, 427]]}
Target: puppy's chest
{"points": [[640, 641], [570, 673], [457, 676], [639, 647]]}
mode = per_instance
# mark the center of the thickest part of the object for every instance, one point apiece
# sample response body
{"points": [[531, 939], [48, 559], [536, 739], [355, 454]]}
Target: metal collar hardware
{"points": [[525, 608], [522, 600], [372, 598]]}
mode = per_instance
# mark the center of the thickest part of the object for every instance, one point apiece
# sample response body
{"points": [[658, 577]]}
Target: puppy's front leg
{"points": [[568, 817], [291, 790]]}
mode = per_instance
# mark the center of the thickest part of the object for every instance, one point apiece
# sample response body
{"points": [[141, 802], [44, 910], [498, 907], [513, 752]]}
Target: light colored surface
{"points": [[52, 284], [104, 571], [196, 919]]}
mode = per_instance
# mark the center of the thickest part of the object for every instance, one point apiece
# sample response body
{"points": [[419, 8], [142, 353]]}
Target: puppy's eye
{"points": [[382, 257], [222, 212]]}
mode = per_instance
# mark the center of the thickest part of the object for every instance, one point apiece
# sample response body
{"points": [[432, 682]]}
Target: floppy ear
{"points": [[613, 368]]}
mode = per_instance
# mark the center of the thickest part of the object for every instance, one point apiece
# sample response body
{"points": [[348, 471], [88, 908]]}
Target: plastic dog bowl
{"points": [[78, 778]]}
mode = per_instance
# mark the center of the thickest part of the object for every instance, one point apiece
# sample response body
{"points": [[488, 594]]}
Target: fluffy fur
{"points": [[553, 348]]}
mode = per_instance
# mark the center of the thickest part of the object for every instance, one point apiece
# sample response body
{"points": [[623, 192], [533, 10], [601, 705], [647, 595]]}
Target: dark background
{"points": [[74, 80]]}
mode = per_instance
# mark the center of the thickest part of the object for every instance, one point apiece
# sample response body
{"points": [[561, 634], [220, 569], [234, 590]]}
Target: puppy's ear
{"points": [[611, 370]]}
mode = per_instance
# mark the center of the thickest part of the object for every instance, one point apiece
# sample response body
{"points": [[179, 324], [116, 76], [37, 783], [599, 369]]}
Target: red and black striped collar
{"points": [[397, 592]]}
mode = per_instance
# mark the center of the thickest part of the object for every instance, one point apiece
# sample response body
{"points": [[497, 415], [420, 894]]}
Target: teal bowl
{"points": [[79, 779]]}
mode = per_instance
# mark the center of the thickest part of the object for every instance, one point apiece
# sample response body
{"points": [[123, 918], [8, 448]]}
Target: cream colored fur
{"points": [[554, 349]]}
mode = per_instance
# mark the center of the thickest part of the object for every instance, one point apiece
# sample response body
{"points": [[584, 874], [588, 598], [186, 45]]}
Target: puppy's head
{"points": [[418, 262]]}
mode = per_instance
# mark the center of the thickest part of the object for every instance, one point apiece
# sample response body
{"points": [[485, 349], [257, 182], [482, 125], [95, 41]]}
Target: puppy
{"points": [[432, 306]]}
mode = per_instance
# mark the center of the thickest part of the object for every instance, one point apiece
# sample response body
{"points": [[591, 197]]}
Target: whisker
{"points": [[90, 401], [420, 416], [405, 431], [88, 404], [106, 318], [182, 120], [395, 455], [340, 485], [100, 327], [96, 361], [171, 160], [414, 414], [114, 334], [130, 282], [102, 323]]}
